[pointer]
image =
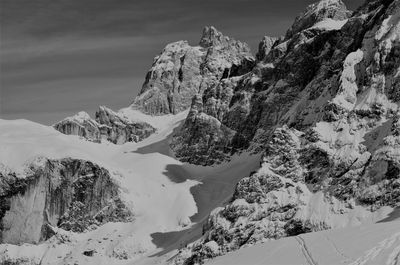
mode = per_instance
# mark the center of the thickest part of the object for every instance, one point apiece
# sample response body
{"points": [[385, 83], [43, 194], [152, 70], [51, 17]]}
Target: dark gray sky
{"points": [[58, 57]]}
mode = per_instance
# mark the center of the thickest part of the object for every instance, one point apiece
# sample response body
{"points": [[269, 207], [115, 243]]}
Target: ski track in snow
{"points": [[385, 244], [305, 250], [394, 258], [345, 257]]}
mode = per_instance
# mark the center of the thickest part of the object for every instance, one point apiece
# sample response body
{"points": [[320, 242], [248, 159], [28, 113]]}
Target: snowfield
{"points": [[376, 244]]}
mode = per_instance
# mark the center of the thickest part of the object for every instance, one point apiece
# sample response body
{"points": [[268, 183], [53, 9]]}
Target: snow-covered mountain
{"points": [[224, 154]]}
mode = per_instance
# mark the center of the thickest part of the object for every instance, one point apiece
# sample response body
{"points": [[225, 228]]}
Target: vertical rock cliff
{"points": [[72, 194]]}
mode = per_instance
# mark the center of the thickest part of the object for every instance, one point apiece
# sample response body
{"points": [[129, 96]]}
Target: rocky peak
{"points": [[317, 12], [182, 71], [106, 116], [80, 124], [265, 46], [212, 37]]}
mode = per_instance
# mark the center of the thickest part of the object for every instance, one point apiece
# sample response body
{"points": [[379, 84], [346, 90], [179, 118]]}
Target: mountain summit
{"points": [[325, 9], [181, 71]]}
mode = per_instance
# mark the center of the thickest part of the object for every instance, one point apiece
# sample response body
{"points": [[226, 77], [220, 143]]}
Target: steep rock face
{"points": [[80, 124], [203, 138], [323, 108], [108, 125], [182, 71], [265, 47], [71, 194], [119, 129]]}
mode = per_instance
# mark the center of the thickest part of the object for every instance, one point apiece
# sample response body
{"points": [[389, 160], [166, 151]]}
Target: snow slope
{"points": [[159, 204], [363, 245], [162, 192]]}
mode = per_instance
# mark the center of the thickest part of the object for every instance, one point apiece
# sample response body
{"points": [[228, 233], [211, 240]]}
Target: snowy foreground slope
{"points": [[377, 244], [158, 203], [155, 186]]}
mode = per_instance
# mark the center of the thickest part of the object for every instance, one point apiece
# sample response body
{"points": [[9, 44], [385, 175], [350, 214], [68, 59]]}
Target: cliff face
{"points": [[72, 194], [323, 107], [181, 71], [108, 125]]}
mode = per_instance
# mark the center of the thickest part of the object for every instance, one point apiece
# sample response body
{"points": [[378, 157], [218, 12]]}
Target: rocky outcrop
{"points": [[322, 106], [265, 46], [203, 138], [182, 71], [108, 125], [71, 194], [80, 124]]}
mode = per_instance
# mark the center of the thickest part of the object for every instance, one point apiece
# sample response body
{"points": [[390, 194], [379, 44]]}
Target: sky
{"points": [[58, 57]]}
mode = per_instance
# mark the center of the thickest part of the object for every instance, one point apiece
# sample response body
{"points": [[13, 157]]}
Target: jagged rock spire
{"points": [[181, 71], [212, 37], [265, 46]]}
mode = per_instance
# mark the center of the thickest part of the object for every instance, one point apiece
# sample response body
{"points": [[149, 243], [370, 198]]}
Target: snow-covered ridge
{"points": [[79, 117]]}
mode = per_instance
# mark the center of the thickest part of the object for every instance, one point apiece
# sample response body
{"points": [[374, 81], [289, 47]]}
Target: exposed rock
{"points": [[72, 194], [203, 139], [265, 46], [182, 71], [80, 124], [119, 129], [108, 125], [89, 253]]}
